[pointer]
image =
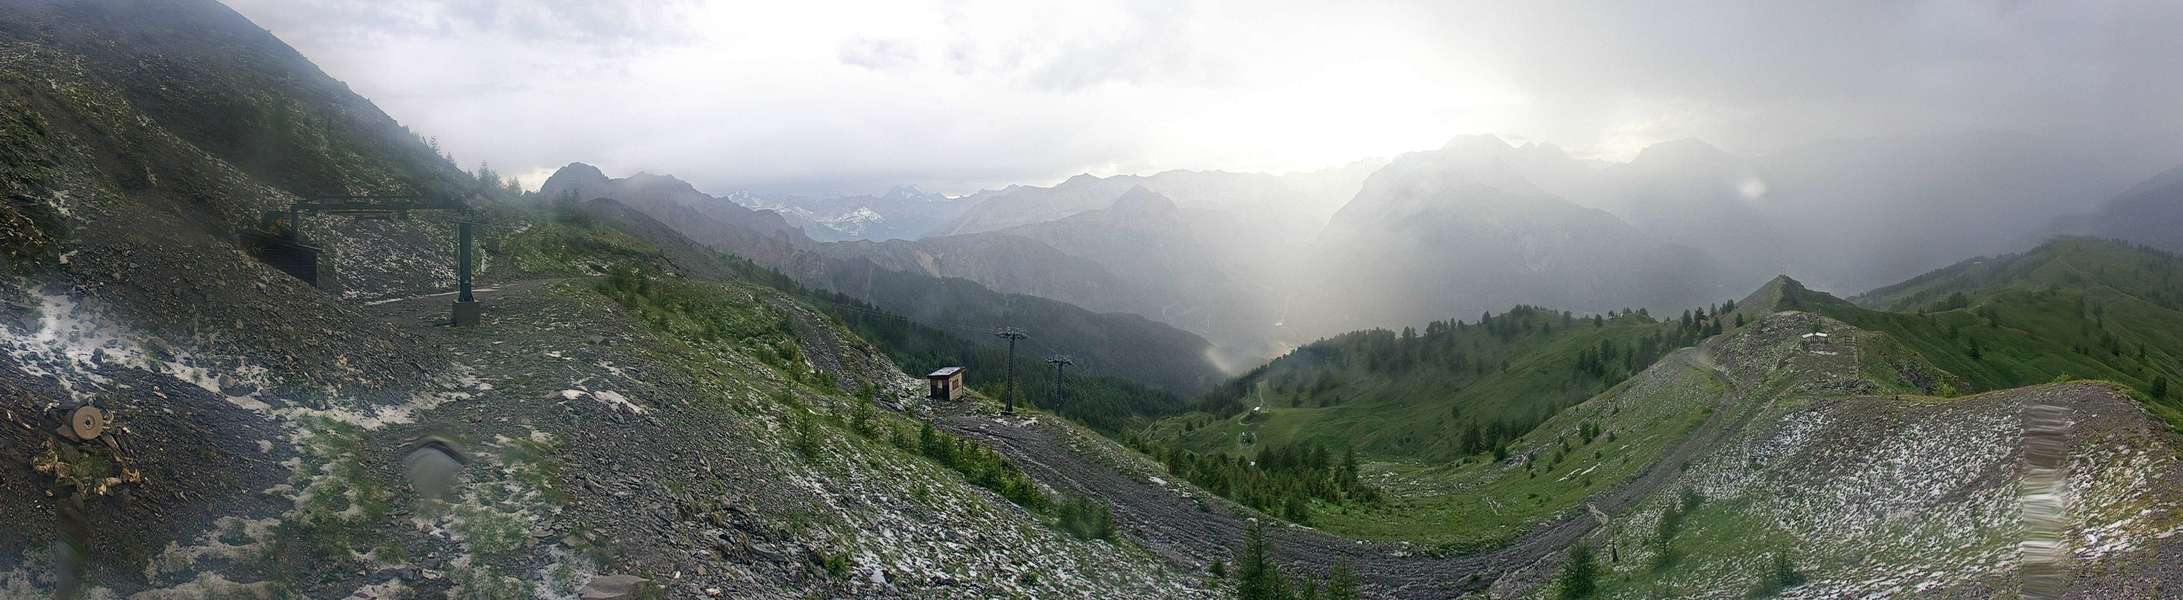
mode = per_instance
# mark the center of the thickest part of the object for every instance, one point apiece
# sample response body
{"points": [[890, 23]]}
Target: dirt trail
{"points": [[1191, 527], [1194, 527]]}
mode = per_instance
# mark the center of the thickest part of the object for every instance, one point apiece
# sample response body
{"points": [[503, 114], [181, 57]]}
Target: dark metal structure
{"points": [[466, 311], [276, 244], [1012, 335], [1059, 361], [279, 241]]}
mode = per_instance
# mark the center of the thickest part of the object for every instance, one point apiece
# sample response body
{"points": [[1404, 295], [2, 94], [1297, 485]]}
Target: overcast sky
{"points": [[826, 97]]}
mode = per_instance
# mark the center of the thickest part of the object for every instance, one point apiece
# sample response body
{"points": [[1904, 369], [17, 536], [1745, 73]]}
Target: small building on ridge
{"points": [[946, 383]]}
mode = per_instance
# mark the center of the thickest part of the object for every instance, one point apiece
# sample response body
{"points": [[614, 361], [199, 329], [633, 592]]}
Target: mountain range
{"points": [[1223, 255], [1107, 343], [902, 213], [2150, 212], [672, 394]]}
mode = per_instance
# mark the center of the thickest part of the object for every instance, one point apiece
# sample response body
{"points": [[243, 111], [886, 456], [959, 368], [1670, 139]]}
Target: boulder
{"points": [[613, 587]]}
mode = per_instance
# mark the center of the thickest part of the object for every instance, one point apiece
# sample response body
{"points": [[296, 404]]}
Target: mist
{"points": [[823, 98], [1143, 299]]}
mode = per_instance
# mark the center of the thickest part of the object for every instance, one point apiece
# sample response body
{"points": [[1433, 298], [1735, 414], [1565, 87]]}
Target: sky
{"points": [[822, 97]]}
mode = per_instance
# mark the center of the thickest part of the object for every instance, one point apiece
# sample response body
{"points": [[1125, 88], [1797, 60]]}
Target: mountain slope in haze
{"points": [[1184, 274], [755, 234], [1843, 214], [1106, 344], [1233, 243], [1457, 231], [1004, 263], [1306, 197], [1142, 254], [903, 213], [684, 429], [2149, 213], [1863, 213]]}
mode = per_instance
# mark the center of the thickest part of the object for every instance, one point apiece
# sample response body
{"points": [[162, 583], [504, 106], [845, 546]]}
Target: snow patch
{"points": [[74, 341], [610, 398], [213, 545]]}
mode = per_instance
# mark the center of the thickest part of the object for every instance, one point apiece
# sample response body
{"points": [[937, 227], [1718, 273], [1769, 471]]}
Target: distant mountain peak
{"points": [[1783, 293], [1144, 200], [581, 169], [2168, 178], [1682, 153], [1484, 144], [576, 178]]}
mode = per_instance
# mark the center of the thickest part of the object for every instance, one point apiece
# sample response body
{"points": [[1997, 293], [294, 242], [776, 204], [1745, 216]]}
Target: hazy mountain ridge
{"points": [[756, 234], [1188, 276], [1844, 214], [1699, 219], [1296, 198], [1427, 231], [2150, 212], [1008, 263], [1202, 251], [895, 277], [902, 213]]}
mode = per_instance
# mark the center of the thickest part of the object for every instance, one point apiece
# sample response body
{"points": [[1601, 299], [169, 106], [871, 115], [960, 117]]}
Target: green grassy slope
{"points": [[1476, 504], [538, 237], [1415, 395], [1468, 433], [2072, 308]]}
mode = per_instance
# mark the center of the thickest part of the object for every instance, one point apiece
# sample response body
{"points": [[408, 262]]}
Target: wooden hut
{"points": [[947, 383]]}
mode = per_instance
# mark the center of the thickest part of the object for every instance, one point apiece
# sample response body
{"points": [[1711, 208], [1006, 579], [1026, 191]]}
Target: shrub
{"points": [[1782, 576], [1085, 518], [1580, 575]]}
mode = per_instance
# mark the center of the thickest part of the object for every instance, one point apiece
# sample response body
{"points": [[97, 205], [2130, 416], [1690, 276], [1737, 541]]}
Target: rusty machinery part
{"points": [[88, 422]]}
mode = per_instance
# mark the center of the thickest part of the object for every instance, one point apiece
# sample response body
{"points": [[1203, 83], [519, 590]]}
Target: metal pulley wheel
{"points": [[87, 422]]}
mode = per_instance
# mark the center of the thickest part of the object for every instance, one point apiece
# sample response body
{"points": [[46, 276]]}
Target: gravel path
{"points": [[1193, 527]]}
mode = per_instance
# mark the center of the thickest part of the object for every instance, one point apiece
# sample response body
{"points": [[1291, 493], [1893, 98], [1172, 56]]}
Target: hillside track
{"points": [[1194, 528]]}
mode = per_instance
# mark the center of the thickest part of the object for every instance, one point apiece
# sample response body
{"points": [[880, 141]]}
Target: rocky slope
{"points": [[269, 439], [1862, 488]]}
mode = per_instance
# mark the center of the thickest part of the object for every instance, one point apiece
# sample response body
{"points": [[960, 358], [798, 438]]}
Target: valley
{"points": [[1482, 370]]}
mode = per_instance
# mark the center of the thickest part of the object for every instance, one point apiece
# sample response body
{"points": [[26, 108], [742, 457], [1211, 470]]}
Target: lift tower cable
{"points": [[1012, 335], [1058, 361]]}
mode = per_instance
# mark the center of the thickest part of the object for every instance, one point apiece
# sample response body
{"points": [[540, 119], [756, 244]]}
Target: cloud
{"points": [[953, 95], [878, 54]]}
